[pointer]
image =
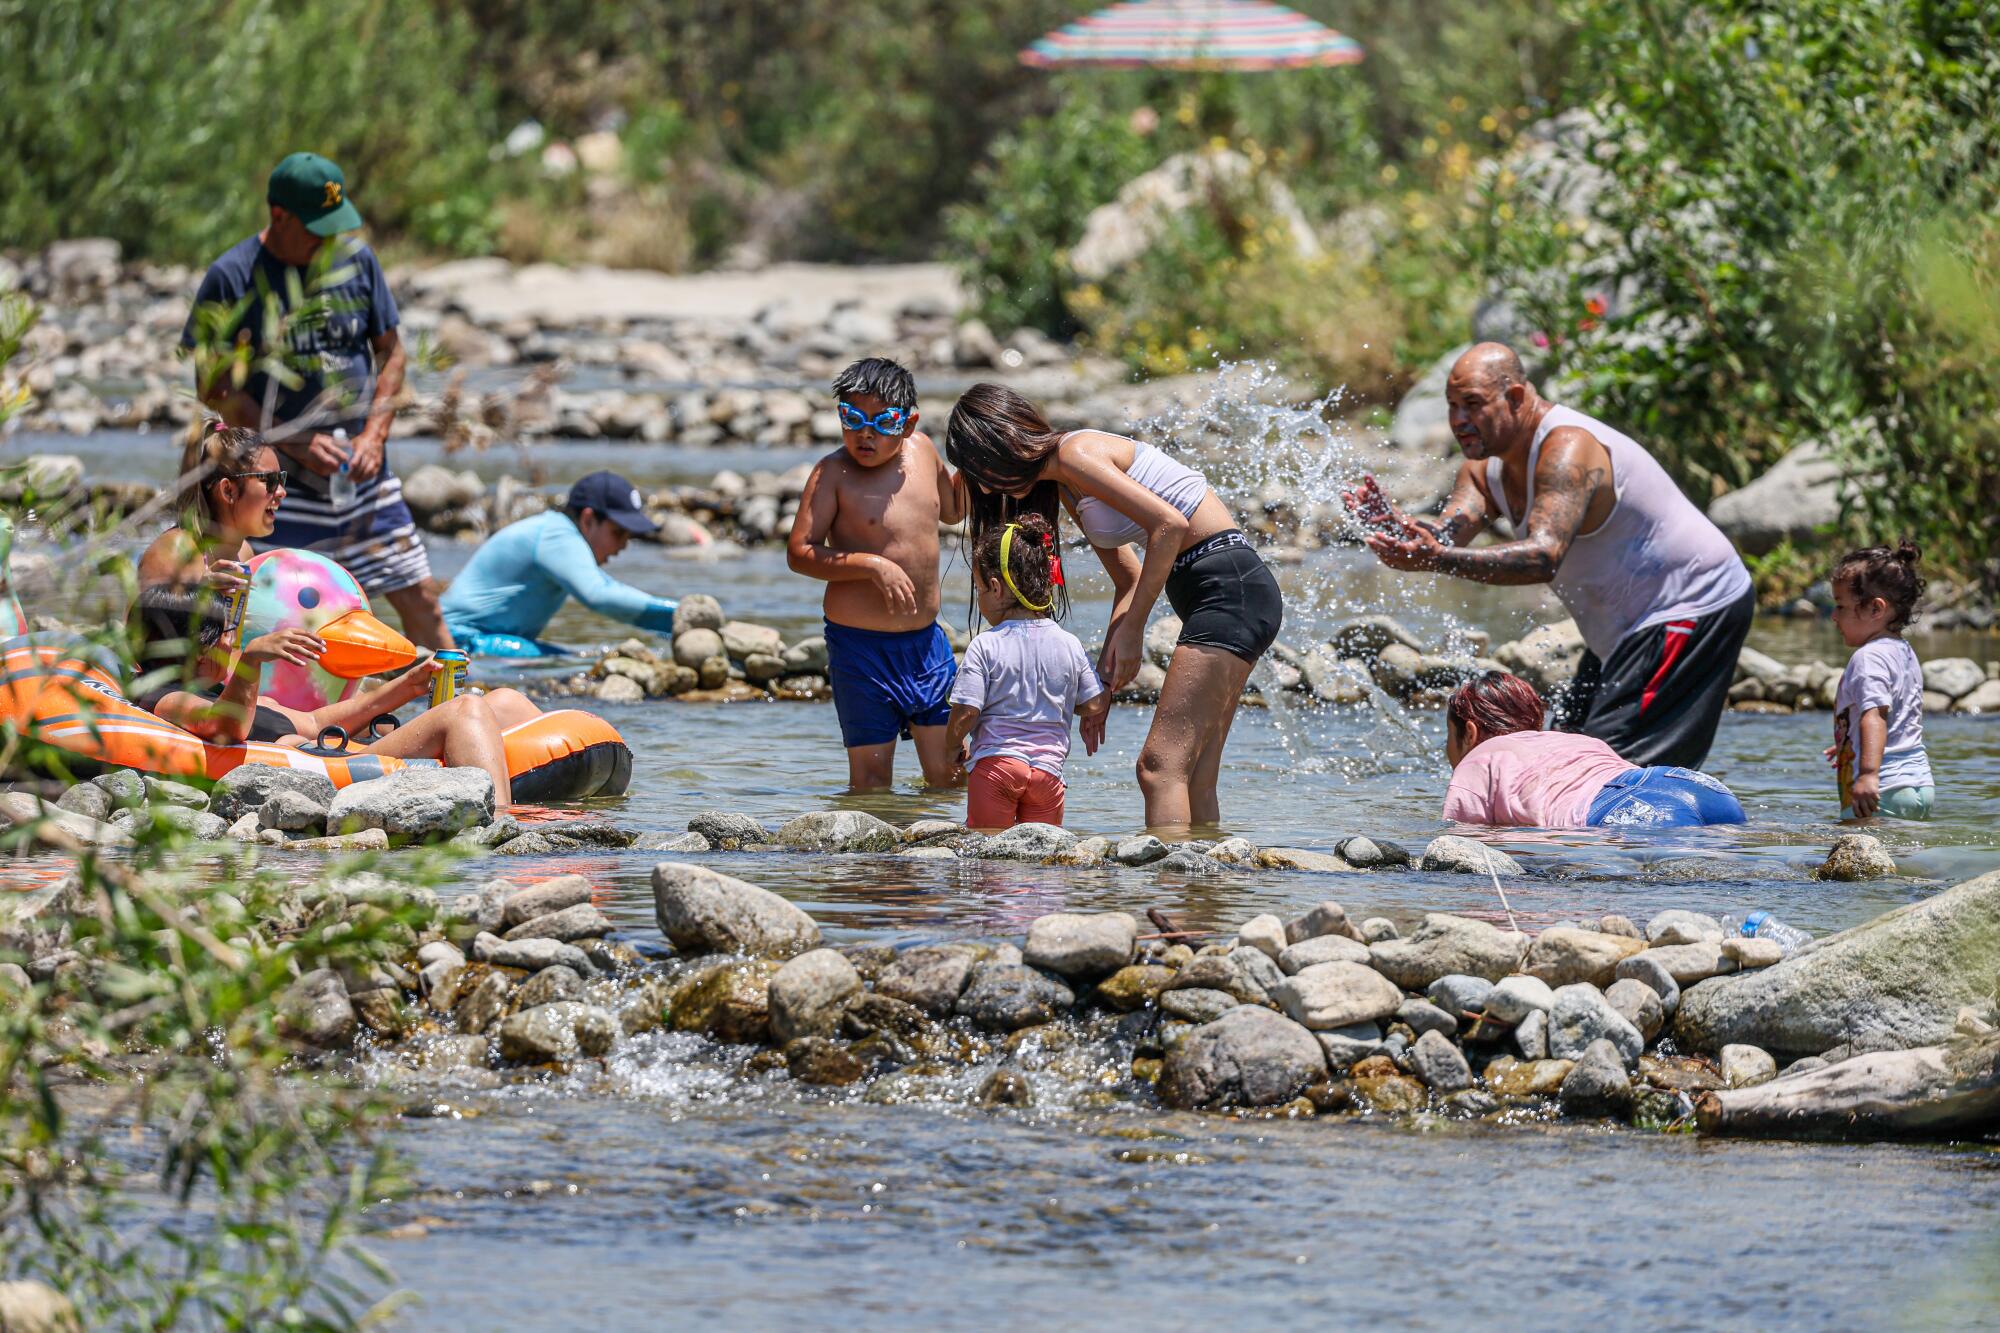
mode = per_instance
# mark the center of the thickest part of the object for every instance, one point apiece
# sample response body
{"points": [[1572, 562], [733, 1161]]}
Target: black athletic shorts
{"points": [[1659, 698], [1226, 597]]}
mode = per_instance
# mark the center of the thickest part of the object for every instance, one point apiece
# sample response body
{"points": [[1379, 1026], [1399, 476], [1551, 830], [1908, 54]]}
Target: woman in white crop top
{"points": [[1122, 493]]}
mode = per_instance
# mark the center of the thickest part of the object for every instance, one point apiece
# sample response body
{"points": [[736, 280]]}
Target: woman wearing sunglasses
{"points": [[231, 487], [1123, 493]]}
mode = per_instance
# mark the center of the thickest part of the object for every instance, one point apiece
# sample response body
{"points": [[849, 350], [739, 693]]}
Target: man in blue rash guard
{"points": [[514, 584]]}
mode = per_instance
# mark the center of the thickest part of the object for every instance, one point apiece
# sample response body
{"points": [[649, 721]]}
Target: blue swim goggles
{"points": [[892, 421]]}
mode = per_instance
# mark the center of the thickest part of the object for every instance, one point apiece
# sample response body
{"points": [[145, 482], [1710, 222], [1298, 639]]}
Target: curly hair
{"points": [[1885, 572], [1032, 560]]}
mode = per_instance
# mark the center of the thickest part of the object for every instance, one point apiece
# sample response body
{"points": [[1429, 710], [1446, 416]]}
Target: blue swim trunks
{"points": [[1664, 796], [884, 683]]}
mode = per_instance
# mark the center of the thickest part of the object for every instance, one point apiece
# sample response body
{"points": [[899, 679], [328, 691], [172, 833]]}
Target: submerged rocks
{"points": [[1446, 944], [559, 1031], [1025, 842], [1899, 979], [1081, 946], [1248, 1057], [703, 911], [726, 831], [1007, 996], [838, 831]]}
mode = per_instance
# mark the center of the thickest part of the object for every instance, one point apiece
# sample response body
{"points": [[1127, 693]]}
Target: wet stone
{"points": [[870, 960], [480, 1005], [1389, 1094], [1457, 994], [549, 985], [1323, 921], [1248, 1057], [822, 1061], [838, 831], [1133, 987], [1598, 1085], [1196, 1005], [1306, 953], [1681, 927], [1679, 1073], [1453, 854], [1445, 945], [1471, 1103], [1508, 1077], [1005, 1087], [930, 977], [1002, 997], [1439, 1063], [703, 911], [874, 1012], [1024, 842], [1855, 857], [1372, 853], [551, 895], [1141, 850], [532, 955], [730, 1002], [1081, 946], [808, 994], [1422, 1016], [1346, 1047], [580, 921]]}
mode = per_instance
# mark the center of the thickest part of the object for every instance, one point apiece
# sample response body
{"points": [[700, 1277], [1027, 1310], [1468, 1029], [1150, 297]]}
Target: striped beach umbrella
{"points": [[1194, 34]]}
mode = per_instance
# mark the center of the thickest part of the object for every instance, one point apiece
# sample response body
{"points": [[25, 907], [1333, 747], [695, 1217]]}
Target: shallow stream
{"points": [[664, 1189]]}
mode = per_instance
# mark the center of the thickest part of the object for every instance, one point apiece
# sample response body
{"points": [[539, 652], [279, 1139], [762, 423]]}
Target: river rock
{"points": [[290, 812], [741, 639], [1899, 979], [1133, 987], [1513, 998], [1467, 856], [1439, 1064], [1678, 927], [729, 1003], [1531, 1035], [1795, 498], [1234, 852], [1598, 1085], [728, 831], [931, 977], [1580, 1016], [315, 1010], [1325, 919], [32, 1307], [823, 1062], [1421, 1016], [532, 955], [1376, 929], [1006, 996], [1372, 853], [1346, 1047], [1649, 970], [1302, 858], [1689, 963], [838, 831], [1446, 944], [1336, 995], [477, 1007], [1081, 946], [697, 611], [1953, 677], [1024, 842], [1749, 951], [1138, 851], [809, 993], [1321, 949], [1562, 955], [551, 895], [1264, 933], [1458, 994], [1248, 1057], [548, 986], [247, 787], [1509, 1077], [91, 801], [1746, 1066], [578, 921], [127, 788], [415, 803], [692, 647], [1856, 856], [1985, 699], [1639, 1005], [1196, 1004], [559, 1031], [1546, 657], [703, 911]]}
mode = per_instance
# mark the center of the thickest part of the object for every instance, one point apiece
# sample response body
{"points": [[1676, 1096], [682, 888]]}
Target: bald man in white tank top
{"points": [[1660, 595]]}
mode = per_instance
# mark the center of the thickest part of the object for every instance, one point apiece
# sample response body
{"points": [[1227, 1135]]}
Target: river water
{"points": [[663, 1188]]}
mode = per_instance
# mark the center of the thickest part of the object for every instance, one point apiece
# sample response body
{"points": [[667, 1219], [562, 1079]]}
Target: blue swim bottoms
{"points": [[1664, 796], [885, 683], [480, 644]]}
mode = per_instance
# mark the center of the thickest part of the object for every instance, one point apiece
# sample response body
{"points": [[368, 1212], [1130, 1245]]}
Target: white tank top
{"points": [[1173, 481], [1656, 558]]}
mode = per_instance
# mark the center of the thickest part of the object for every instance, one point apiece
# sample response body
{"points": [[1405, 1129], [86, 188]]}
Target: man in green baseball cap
{"points": [[313, 191], [329, 408]]}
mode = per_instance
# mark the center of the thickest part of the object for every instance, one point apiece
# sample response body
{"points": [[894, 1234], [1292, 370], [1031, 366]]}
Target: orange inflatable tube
{"points": [[77, 707]]}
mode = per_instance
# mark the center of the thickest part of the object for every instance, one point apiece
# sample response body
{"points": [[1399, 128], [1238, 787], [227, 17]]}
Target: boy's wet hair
{"points": [[1886, 572], [1031, 560], [878, 377]]}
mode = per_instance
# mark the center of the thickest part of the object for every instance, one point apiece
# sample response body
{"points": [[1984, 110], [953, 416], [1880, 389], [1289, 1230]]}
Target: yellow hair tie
{"points": [[1007, 572]]}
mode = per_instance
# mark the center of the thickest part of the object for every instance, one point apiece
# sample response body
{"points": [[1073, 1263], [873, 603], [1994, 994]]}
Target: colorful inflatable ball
{"points": [[306, 590]]}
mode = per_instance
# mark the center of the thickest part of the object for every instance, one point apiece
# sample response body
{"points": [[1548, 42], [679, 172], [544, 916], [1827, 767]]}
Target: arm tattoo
{"points": [[1465, 515], [1561, 500]]}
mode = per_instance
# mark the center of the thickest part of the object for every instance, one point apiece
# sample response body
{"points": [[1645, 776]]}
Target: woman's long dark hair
{"points": [[999, 441]]}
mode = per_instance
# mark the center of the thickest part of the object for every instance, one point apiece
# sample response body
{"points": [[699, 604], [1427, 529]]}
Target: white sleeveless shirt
{"points": [[1656, 558], [1170, 479]]}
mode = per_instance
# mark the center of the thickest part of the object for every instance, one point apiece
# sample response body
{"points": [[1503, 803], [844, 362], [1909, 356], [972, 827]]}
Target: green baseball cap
{"points": [[314, 191]]}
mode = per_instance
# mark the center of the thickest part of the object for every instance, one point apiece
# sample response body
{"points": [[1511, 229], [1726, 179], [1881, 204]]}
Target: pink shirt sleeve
{"points": [[1469, 798]]}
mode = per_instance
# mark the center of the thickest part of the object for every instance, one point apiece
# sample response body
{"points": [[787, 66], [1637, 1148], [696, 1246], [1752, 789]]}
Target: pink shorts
{"points": [[1002, 791]]}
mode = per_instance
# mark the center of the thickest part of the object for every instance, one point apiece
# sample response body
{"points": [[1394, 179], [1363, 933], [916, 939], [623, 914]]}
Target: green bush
{"points": [[1786, 220]]}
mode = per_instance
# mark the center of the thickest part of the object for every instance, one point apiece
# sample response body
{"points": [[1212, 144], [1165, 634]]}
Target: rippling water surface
{"points": [[663, 1189]]}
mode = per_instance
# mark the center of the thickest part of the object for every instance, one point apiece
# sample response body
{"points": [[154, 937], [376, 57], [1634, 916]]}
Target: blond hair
{"points": [[217, 451]]}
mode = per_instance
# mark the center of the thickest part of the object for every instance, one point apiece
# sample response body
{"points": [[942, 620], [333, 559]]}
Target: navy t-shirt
{"points": [[330, 349]]}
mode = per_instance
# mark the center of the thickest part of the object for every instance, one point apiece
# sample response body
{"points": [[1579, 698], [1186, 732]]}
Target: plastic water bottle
{"points": [[340, 486], [1763, 926]]}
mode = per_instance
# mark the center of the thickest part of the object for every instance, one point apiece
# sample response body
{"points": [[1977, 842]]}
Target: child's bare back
{"points": [[884, 518]]}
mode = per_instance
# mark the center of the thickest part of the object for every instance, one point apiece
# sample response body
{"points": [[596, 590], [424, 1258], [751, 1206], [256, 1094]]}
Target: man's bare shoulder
{"points": [[1571, 454]]}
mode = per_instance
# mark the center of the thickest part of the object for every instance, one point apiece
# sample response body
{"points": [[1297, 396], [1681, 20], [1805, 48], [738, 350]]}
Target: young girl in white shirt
{"points": [[1878, 714]]}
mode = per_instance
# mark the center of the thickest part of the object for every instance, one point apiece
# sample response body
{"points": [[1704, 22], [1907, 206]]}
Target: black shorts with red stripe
{"points": [[1659, 698]]}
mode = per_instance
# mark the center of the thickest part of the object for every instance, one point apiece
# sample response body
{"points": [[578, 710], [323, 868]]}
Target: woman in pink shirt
{"points": [[1507, 770]]}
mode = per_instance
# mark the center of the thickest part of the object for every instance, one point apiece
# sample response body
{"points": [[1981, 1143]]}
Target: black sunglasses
{"points": [[273, 480]]}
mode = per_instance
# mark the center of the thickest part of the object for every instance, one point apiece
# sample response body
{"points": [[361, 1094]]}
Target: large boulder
{"points": [[1953, 677], [703, 911], [1799, 495], [1898, 980], [421, 804], [1117, 233], [1444, 945], [1546, 657], [1248, 1057]]}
